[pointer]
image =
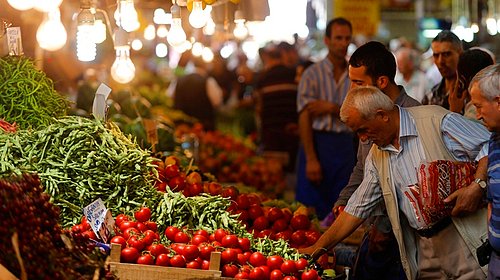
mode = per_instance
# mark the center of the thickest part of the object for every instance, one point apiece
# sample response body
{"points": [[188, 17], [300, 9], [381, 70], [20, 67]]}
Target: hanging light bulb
{"points": [[197, 17], [136, 45], [491, 26], [150, 32], [207, 55], [126, 16], [240, 31], [123, 69], [86, 49], [162, 31], [161, 50], [176, 35], [21, 5], [51, 34], [197, 49], [47, 5], [209, 28], [99, 31]]}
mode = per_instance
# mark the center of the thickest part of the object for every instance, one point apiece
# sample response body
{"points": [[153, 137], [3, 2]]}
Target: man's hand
{"points": [[467, 200], [313, 171], [456, 100], [320, 107], [308, 250]]}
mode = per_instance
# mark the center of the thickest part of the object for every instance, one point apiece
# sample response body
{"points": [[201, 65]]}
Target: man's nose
{"points": [[363, 137]]}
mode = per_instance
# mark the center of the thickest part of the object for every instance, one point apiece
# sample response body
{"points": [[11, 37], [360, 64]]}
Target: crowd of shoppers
{"points": [[319, 114]]}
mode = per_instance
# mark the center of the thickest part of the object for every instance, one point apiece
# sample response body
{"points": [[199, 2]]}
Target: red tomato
{"points": [[260, 223], [119, 240], [255, 211], [311, 237], [178, 248], [276, 274], [214, 188], [163, 260], [198, 239], [171, 171], [205, 251], [149, 237], [205, 264], [190, 252], [177, 183], [267, 271], [253, 199], [161, 186], [120, 219], [243, 215], [219, 234], [193, 265], [287, 214], [144, 214], [177, 261], [157, 249], [274, 262], [136, 242], [171, 231], [300, 221], [310, 274], [242, 259], [130, 232], [127, 224], [229, 270], [89, 234], [289, 277], [181, 237], [286, 235], [202, 232], [280, 225], [141, 227], [298, 237], [256, 273], [129, 255], [195, 189], [257, 259], [288, 267], [274, 214], [244, 243], [242, 201], [301, 264], [242, 275], [229, 255], [230, 241], [146, 259], [151, 225]]}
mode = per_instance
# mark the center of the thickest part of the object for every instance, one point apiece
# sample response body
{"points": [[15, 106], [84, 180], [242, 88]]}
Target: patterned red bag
{"points": [[437, 180]]}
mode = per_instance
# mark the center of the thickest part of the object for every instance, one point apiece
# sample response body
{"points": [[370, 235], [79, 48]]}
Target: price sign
{"points": [[100, 219], [99, 106], [14, 42]]}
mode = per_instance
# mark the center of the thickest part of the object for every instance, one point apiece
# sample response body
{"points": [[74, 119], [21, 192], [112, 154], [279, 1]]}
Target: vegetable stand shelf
{"points": [[127, 271]]}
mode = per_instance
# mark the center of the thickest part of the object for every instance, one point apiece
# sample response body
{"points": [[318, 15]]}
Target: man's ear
{"points": [[383, 114], [382, 82], [497, 100]]}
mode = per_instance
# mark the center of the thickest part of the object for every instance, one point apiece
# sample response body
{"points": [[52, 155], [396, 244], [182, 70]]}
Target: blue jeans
{"points": [[494, 267]]}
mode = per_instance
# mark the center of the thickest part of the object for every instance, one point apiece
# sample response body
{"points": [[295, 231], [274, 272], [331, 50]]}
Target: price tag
{"points": [[14, 42], [99, 106], [100, 219]]}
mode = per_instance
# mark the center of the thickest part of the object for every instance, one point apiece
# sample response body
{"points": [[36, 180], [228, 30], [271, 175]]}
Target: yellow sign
{"points": [[363, 14]]}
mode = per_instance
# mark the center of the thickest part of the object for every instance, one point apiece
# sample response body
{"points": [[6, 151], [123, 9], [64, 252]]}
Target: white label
{"points": [[100, 219], [14, 42], [99, 107]]}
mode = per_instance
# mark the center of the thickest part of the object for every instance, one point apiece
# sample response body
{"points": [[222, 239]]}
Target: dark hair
{"points": [[472, 61], [339, 21], [285, 46], [448, 36], [377, 59]]}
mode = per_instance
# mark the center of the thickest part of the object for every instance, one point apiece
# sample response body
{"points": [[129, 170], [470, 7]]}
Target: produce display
{"points": [[28, 96], [29, 224], [79, 160]]}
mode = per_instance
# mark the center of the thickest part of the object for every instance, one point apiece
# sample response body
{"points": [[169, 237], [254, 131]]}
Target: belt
{"points": [[435, 228]]}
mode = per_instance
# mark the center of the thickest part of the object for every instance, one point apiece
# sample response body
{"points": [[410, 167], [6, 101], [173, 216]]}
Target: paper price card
{"points": [[100, 219]]}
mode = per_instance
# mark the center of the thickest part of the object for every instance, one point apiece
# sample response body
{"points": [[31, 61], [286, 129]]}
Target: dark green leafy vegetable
{"points": [[28, 97]]}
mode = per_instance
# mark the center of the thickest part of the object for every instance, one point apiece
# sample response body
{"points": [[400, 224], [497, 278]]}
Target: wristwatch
{"points": [[481, 183]]}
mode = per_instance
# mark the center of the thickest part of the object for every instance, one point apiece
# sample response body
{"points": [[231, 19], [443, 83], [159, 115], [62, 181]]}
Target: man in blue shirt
{"points": [[485, 93]]}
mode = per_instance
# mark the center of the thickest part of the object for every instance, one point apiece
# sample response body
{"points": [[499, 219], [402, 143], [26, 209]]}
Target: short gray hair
{"points": [[366, 100], [488, 81]]}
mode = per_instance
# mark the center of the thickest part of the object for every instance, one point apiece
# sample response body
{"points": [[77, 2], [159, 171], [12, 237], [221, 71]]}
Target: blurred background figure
{"points": [[409, 74], [470, 62], [197, 94]]}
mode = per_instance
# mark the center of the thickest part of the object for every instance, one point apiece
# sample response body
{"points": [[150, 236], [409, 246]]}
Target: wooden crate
{"points": [[128, 271]]}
